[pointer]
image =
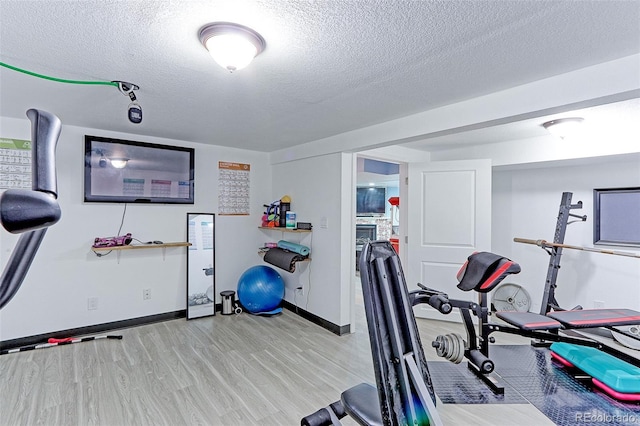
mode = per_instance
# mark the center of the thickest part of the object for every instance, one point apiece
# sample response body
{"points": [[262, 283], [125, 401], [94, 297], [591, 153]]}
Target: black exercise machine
{"points": [[31, 212], [484, 271], [403, 394]]}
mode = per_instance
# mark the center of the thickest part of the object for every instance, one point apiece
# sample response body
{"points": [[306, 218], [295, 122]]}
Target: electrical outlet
{"points": [[92, 303], [146, 294], [300, 291]]}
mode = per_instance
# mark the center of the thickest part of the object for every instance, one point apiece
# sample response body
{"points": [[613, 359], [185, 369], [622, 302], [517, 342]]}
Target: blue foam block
{"points": [[619, 375]]}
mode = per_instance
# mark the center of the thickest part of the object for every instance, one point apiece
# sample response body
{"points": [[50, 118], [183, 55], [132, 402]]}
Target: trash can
{"points": [[227, 302]]}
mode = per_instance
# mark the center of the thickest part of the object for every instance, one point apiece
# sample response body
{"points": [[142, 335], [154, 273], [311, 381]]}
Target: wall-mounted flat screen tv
{"points": [[370, 201], [121, 171], [616, 219]]}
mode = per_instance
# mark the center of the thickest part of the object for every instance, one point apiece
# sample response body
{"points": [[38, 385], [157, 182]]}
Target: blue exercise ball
{"points": [[260, 289]]}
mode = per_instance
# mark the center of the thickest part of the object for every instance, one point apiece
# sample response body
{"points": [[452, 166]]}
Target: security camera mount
{"points": [[135, 110], [127, 88]]}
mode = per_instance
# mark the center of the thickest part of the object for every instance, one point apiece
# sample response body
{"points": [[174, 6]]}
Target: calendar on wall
{"points": [[15, 164], [233, 188]]}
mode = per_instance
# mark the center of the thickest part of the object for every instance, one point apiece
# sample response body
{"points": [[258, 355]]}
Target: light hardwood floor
{"points": [[222, 370]]}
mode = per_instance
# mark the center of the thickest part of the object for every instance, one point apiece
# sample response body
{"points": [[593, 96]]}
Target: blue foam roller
{"points": [[296, 248]]}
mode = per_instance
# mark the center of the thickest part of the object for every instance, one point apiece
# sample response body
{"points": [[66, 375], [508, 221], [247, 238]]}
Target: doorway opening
{"points": [[377, 202]]}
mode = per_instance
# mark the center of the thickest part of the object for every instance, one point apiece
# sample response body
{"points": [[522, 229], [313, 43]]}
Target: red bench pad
{"points": [[483, 271]]}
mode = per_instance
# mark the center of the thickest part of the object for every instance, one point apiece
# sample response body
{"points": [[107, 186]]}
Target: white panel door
{"points": [[449, 218]]}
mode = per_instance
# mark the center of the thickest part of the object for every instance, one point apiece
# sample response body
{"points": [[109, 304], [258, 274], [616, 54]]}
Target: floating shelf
{"points": [[142, 246], [274, 228]]}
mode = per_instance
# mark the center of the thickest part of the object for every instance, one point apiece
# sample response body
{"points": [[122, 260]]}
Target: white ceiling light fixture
{"points": [[564, 127], [233, 46], [119, 163]]}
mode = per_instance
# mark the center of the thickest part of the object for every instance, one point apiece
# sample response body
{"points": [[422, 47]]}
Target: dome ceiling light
{"points": [[232, 46], [564, 127]]}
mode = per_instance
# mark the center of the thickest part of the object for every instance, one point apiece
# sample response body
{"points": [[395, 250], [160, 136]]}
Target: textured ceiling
{"points": [[329, 66]]}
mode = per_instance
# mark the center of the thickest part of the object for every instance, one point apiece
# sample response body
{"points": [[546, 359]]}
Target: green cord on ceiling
{"points": [[60, 80]]}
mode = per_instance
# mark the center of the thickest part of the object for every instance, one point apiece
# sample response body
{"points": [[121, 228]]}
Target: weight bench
{"points": [[482, 272], [403, 394]]}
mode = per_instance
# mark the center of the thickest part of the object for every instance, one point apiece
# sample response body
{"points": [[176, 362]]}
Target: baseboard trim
{"points": [[150, 319], [334, 328], [92, 329]]}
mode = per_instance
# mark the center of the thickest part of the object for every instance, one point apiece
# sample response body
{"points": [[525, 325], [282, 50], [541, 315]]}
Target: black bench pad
{"points": [[361, 403], [591, 318], [529, 320]]}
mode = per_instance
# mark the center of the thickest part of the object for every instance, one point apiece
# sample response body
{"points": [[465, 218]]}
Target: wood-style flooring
{"points": [[221, 370]]}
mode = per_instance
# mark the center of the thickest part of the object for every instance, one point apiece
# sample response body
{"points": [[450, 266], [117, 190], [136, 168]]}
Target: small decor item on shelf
{"points": [[121, 240], [285, 206], [291, 220], [276, 214], [270, 218]]}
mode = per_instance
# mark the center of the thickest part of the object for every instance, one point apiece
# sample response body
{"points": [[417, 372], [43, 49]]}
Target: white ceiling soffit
{"points": [[329, 66], [619, 117]]}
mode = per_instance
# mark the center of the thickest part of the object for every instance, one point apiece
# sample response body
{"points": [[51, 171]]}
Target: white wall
{"points": [[65, 272], [525, 205], [318, 190]]}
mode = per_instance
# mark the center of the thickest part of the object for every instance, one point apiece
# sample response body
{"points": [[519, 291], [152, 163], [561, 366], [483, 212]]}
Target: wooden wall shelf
{"points": [[273, 228], [141, 246]]}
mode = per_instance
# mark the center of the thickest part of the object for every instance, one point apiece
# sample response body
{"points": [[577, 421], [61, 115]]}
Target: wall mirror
{"points": [[201, 281]]}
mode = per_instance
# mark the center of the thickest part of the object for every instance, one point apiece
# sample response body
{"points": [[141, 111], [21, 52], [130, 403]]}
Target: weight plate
{"points": [[628, 341], [511, 298]]}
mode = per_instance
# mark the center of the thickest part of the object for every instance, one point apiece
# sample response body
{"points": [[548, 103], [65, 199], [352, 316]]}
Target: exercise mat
{"points": [[283, 259], [296, 248]]}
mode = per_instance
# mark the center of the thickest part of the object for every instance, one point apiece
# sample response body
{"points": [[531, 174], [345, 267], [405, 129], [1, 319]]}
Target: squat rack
{"points": [[549, 301]]}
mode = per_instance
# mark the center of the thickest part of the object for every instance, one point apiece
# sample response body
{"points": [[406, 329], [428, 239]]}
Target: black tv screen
{"points": [[121, 171], [370, 201], [616, 219]]}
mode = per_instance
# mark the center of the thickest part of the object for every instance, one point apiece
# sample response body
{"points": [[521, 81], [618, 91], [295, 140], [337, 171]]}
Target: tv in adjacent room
{"points": [[370, 201], [122, 171]]}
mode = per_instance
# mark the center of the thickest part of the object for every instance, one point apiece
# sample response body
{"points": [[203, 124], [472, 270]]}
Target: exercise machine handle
{"points": [[31, 212], [327, 416], [45, 130], [441, 303], [433, 298]]}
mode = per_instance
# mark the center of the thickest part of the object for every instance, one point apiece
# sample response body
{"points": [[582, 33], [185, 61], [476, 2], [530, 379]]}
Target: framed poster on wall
{"points": [[201, 281]]}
